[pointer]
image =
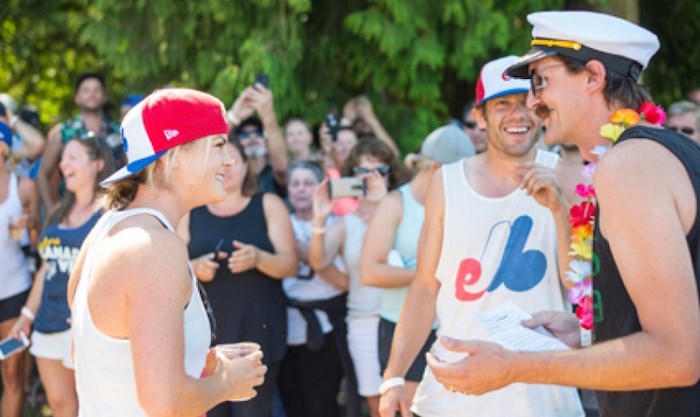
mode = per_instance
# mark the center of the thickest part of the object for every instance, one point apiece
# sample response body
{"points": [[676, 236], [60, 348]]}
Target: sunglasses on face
{"points": [[539, 81], [685, 130], [247, 134], [469, 124], [382, 170]]}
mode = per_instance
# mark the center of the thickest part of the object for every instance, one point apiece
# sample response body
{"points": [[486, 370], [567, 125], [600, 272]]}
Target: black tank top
{"points": [[248, 306], [617, 316]]}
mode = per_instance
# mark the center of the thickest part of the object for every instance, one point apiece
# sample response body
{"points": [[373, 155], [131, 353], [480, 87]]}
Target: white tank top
{"points": [[104, 369], [14, 275], [512, 240]]}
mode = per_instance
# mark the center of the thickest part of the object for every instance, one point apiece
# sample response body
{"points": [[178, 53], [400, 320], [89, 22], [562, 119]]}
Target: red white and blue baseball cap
{"points": [[493, 81], [163, 120]]}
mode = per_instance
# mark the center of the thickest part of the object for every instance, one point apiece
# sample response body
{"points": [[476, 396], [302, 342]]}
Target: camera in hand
{"points": [[333, 123], [347, 187]]}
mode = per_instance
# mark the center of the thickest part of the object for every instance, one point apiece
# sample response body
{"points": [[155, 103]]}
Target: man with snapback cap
{"points": [[489, 236], [645, 360]]}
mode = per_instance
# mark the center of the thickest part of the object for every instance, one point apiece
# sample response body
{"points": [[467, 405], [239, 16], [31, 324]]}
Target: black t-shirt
{"points": [[617, 315]]}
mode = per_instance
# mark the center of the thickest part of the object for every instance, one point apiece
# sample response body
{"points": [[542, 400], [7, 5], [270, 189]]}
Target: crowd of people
{"points": [[132, 250]]}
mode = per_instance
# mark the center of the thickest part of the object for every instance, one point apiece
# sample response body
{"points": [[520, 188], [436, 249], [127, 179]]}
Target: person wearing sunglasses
{"points": [[644, 358], [684, 117], [490, 236], [367, 160], [261, 138], [141, 335], [477, 136]]}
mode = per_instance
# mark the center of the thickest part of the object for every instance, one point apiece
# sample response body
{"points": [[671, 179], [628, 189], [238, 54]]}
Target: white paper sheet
{"points": [[503, 324]]}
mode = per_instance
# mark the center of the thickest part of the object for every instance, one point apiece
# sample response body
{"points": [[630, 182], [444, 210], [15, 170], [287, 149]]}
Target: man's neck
{"points": [[92, 120]]}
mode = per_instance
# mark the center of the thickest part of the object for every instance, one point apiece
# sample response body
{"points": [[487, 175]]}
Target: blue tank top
{"points": [[59, 247], [406, 244]]}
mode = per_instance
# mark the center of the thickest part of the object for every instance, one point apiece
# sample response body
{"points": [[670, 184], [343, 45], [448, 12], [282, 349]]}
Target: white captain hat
{"points": [[623, 47]]}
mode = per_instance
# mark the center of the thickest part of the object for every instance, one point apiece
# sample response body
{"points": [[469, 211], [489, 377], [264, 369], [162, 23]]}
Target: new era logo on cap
{"points": [[170, 133], [494, 82], [166, 119]]}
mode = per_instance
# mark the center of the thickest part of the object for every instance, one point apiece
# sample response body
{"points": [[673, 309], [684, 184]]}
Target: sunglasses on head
{"points": [[685, 130], [247, 134], [382, 170]]}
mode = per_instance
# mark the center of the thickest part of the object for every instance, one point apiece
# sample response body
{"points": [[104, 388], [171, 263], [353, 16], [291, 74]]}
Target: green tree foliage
{"points": [[416, 60], [675, 69]]}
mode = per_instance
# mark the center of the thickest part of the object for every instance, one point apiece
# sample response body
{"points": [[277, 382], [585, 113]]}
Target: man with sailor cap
{"points": [[584, 69]]}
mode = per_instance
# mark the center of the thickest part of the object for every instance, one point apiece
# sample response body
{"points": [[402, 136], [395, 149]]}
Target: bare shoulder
{"points": [[141, 251], [273, 204], [643, 176], [643, 164], [390, 210]]}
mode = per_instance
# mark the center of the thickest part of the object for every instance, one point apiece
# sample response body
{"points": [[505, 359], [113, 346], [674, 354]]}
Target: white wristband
{"points": [[27, 312], [391, 383], [318, 230]]}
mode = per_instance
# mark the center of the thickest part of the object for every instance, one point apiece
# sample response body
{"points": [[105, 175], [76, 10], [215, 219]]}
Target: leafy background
{"points": [[417, 60]]}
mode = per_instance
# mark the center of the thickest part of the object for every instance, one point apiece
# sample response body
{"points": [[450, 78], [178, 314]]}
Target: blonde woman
{"points": [[141, 336]]}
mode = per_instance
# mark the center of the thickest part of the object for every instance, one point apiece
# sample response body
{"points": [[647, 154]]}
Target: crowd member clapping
{"points": [[84, 163], [376, 164], [241, 248]]}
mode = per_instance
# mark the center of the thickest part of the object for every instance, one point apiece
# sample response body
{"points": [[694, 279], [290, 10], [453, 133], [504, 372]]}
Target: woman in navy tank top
{"points": [[240, 250]]}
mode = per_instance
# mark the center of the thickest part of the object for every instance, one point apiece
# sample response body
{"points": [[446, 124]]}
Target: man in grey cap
{"points": [[645, 360], [489, 237]]}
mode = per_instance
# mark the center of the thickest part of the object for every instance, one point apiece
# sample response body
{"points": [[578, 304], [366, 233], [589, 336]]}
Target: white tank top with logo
{"points": [[493, 250]]}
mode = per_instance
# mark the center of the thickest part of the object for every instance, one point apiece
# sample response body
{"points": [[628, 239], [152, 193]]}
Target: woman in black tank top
{"points": [[241, 248]]}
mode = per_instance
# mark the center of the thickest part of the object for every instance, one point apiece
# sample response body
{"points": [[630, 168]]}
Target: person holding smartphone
{"points": [[19, 211], [377, 165], [243, 276]]}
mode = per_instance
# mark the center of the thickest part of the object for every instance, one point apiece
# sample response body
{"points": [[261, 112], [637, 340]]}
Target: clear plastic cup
{"points": [[16, 228], [234, 351]]}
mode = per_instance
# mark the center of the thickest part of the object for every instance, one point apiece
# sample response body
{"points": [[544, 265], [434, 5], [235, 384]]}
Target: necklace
{"points": [[582, 218]]}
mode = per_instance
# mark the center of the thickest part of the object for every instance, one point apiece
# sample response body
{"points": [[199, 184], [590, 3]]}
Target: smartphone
{"points": [[11, 346], [217, 248], [261, 78], [347, 187], [333, 124]]}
